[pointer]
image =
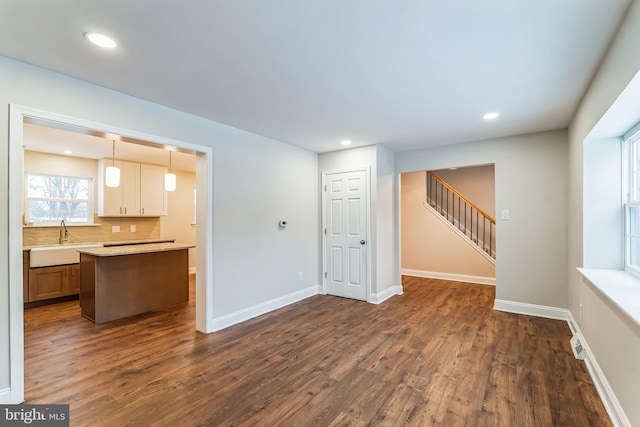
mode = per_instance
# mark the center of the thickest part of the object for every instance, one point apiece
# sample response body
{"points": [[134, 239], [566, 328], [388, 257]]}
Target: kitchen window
{"points": [[50, 199]]}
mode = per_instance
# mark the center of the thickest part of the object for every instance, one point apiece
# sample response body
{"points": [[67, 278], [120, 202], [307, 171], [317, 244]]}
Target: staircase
{"points": [[467, 218]]}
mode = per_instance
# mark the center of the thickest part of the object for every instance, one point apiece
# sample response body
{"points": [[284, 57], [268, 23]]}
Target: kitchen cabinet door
{"points": [[123, 200], [140, 193], [48, 282], [53, 282], [74, 279], [25, 276], [130, 183], [153, 197], [109, 198]]}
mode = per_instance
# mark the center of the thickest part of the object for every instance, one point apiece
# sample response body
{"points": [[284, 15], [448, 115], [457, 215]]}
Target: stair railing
{"points": [[463, 214]]}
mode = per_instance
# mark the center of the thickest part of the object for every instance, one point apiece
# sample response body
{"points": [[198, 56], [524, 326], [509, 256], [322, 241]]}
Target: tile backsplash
{"points": [[146, 228]]}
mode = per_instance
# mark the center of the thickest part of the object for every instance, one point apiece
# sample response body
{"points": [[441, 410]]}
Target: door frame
{"points": [[325, 173], [204, 219]]}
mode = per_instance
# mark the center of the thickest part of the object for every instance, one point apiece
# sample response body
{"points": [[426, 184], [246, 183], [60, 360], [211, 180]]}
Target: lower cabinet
{"points": [[25, 275], [53, 282]]}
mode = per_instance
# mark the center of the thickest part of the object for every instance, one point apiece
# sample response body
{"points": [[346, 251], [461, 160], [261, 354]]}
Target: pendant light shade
{"points": [[170, 178], [112, 176]]}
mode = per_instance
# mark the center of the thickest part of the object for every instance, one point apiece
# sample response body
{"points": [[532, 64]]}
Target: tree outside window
{"points": [[51, 198]]}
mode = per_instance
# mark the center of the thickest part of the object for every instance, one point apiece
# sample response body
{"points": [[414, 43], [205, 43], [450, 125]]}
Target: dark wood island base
{"points": [[114, 286]]}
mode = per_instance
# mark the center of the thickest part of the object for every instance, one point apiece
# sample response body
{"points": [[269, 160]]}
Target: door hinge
{"points": [[325, 274], [325, 231], [325, 188]]}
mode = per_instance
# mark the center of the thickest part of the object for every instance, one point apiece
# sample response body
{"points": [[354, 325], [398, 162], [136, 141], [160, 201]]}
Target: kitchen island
{"points": [[122, 281]]}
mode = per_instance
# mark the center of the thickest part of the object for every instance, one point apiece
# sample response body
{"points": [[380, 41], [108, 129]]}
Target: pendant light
{"points": [[112, 178], [170, 178]]}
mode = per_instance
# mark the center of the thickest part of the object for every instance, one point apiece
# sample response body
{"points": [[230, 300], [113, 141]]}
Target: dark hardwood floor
{"points": [[437, 355]]}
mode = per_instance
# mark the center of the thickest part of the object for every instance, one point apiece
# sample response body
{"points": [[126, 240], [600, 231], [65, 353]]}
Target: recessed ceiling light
{"points": [[68, 152], [100, 40], [345, 142], [491, 116]]}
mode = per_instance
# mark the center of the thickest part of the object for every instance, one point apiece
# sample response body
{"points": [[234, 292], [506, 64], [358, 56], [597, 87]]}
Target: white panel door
{"points": [[346, 234]]}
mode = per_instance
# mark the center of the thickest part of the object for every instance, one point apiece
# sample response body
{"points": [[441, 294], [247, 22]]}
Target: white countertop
{"points": [[135, 249], [114, 243]]}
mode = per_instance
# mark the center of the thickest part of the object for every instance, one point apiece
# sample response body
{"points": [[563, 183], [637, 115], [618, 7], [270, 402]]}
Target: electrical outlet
{"points": [[132, 228], [115, 228]]}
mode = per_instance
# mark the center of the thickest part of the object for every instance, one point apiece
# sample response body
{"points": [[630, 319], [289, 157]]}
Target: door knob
{"points": [[362, 242]]}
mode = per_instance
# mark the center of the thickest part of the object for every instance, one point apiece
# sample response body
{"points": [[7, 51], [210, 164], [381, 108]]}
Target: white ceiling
{"points": [[57, 141], [404, 73]]}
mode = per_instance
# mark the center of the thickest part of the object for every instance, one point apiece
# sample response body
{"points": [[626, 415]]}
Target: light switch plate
{"points": [[132, 228], [505, 214]]}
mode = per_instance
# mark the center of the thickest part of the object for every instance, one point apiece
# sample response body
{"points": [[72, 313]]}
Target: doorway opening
{"points": [[24, 116], [447, 224]]}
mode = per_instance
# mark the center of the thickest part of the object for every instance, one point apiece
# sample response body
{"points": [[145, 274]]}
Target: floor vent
{"points": [[577, 348]]}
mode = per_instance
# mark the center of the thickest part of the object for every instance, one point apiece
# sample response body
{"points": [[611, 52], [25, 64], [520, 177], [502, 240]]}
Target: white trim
{"points": [[531, 309], [608, 397], [262, 308], [481, 280], [460, 234], [386, 294], [192, 270], [323, 183], [16, 307], [204, 278]]}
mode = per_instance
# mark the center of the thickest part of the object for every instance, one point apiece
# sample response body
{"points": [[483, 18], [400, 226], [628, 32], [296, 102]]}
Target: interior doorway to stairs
{"points": [[447, 223]]}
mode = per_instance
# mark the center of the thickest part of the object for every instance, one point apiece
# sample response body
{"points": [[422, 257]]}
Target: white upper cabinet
{"points": [[140, 193], [153, 197]]}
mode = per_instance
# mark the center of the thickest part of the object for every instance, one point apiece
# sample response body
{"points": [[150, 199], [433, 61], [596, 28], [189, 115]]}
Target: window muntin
{"points": [[52, 198]]}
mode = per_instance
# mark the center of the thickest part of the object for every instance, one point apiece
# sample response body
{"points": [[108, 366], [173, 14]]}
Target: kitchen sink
{"points": [[45, 256]]}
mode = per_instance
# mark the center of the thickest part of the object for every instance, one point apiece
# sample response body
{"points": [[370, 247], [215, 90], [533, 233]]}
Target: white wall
{"points": [[387, 221], [256, 182], [614, 341], [476, 183], [531, 181], [603, 213]]}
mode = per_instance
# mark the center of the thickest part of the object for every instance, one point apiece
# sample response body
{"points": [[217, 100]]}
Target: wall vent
{"points": [[577, 348]]}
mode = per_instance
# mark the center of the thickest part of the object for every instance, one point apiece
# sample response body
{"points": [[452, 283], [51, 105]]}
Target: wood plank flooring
{"points": [[436, 356]]}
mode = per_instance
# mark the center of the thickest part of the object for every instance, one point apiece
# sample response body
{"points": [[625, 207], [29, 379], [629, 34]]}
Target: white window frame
{"points": [[631, 189], [90, 201]]}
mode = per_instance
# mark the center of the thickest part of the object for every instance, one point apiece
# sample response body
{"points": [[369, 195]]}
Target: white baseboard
{"points": [[481, 280], [239, 316], [386, 294], [531, 309], [609, 399]]}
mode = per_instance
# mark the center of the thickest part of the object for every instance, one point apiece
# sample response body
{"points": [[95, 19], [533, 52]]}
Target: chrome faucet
{"points": [[63, 232]]}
